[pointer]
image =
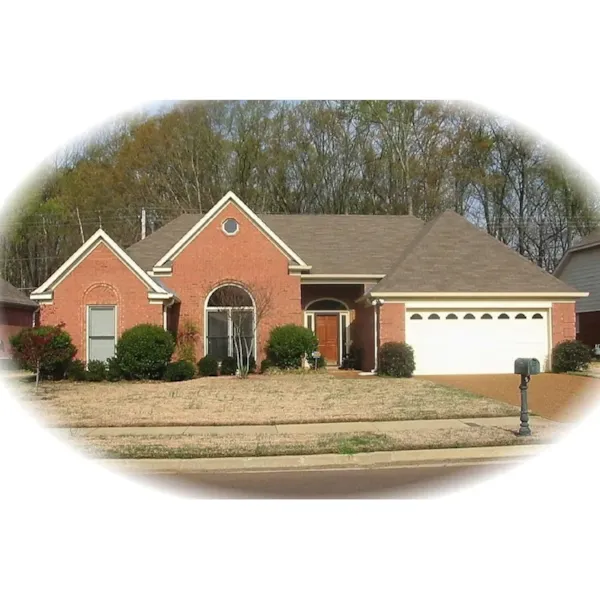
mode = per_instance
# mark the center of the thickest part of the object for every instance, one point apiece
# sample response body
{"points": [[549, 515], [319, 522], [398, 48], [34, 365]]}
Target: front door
{"points": [[326, 330]]}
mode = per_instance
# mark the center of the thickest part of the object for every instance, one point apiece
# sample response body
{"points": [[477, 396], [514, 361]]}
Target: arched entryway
{"points": [[229, 322], [329, 318]]}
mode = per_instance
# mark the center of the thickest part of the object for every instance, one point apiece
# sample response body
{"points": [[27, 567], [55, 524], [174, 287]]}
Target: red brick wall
{"points": [[563, 322], [101, 278], [248, 258], [392, 327], [589, 328], [12, 320]]}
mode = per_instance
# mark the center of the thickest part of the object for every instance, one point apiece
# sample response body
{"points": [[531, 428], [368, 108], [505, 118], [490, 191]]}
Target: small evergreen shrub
{"points": [[208, 366], [181, 370], [321, 362], [96, 370], [113, 370], [76, 371], [571, 355], [144, 351], [228, 366], [289, 344], [396, 359], [265, 365]]}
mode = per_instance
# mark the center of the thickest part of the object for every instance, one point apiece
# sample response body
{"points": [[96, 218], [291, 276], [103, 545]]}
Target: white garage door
{"points": [[475, 341]]}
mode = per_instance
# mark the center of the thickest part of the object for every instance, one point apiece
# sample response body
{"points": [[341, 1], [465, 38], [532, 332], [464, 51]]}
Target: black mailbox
{"points": [[527, 366]]}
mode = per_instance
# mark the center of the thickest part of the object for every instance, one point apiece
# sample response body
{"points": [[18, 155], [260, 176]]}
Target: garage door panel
{"points": [[476, 345]]}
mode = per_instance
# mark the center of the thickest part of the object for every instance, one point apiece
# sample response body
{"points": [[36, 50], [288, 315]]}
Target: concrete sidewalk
{"points": [[404, 458], [324, 428]]}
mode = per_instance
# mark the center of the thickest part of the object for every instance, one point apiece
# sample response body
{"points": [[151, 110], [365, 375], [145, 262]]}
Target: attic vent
{"points": [[230, 226]]}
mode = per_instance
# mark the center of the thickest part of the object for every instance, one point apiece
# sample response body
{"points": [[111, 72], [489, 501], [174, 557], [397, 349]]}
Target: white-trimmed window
{"points": [[102, 332], [230, 320], [577, 323]]}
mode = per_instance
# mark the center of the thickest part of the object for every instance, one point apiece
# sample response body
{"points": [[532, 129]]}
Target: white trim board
{"points": [[43, 293], [229, 197]]}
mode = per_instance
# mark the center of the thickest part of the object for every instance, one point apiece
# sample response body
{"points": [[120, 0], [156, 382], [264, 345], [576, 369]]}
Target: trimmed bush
{"points": [[180, 371], [144, 351], [208, 366], [396, 359], [228, 366], [571, 355], [289, 344], [48, 348], [76, 371], [96, 370], [113, 370], [265, 365]]}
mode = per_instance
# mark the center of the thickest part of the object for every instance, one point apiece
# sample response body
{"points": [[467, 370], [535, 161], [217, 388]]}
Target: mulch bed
{"points": [[558, 397]]}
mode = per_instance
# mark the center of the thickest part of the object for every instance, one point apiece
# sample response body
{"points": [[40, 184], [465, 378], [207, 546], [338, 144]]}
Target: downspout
{"points": [[166, 306], [35, 312], [377, 331]]}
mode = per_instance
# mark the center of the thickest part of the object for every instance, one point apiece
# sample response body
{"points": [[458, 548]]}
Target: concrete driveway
{"points": [[553, 396]]}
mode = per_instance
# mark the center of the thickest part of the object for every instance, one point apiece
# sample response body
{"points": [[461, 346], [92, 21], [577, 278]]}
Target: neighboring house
{"points": [[580, 268], [466, 302], [17, 311]]}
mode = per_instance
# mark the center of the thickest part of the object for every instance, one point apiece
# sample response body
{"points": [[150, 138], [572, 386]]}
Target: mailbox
{"points": [[527, 366]]}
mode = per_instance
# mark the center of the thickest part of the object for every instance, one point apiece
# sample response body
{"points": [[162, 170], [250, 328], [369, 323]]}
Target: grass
{"points": [[243, 445], [260, 400]]}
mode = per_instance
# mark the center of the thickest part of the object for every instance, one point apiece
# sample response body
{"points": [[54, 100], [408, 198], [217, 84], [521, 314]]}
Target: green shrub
{"points": [[144, 351], [228, 366], [265, 365], [180, 371], [49, 347], [571, 355], [76, 371], [289, 344], [321, 362], [208, 366], [352, 360], [113, 370], [396, 359], [96, 370]]}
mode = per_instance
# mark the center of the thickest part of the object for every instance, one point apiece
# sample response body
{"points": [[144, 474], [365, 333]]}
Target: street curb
{"points": [[398, 458]]}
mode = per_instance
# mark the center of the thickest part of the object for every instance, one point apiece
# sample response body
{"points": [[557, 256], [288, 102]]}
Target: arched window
{"points": [[537, 316], [416, 317], [469, 316], [504, 316], [433, 317], [451, 316], [486, 316], [520, 316], [230, 322], [326, 304]]}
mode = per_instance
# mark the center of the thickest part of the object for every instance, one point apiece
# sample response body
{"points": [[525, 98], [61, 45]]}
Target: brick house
{"points": [[466, 302], [17, 311]]}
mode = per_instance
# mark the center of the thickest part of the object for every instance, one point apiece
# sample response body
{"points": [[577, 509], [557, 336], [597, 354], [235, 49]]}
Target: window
{"points": [[416, 317], [326, 304], [537, 316], [230, 226], [433, 317], [344, 333], [101, 332], [576, 323], [469, 316], [230, 322], [520, 316], [486, 316], [309, 322], [504, 316], [451, 316]]}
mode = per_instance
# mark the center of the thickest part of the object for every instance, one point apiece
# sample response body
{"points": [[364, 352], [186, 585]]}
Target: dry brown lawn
{"points": [[309, 398], [219, 445]]}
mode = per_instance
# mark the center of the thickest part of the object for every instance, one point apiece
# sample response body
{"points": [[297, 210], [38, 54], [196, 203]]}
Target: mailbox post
{"points": [[525, 367]]}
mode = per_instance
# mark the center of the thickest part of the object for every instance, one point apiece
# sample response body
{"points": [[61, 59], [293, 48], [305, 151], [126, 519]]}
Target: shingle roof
{"points": [[11, 295], [448, 254], [452, 255]]}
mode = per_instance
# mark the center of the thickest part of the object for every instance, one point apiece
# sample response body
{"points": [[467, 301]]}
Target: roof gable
{"points": [[452, 255], [44, 292], [229, 198]]}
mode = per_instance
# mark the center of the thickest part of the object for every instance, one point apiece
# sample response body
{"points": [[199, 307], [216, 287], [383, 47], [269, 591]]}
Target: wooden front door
{"points": [[326, 329]]}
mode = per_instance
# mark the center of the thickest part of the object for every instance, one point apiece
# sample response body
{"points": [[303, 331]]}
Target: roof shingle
{"points": [[12, 296]]}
